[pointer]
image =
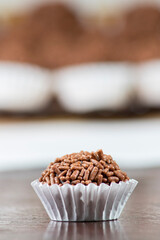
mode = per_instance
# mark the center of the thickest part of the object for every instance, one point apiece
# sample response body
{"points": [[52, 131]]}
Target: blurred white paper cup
{"points": [[23, 87], [97, 86], [148, 84]]}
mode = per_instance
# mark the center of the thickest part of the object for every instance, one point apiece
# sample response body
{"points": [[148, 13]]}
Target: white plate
{"points": [[133, 144]]}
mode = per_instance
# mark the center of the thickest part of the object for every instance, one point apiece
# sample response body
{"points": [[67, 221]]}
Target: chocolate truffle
{"points": [[83, 167]]}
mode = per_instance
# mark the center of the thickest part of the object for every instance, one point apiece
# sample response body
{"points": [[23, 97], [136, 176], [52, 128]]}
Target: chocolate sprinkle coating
{"points": [[83, 167]]}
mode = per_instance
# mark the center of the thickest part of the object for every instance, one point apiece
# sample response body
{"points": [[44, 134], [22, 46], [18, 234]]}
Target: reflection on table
{"points": [[85, 230]]}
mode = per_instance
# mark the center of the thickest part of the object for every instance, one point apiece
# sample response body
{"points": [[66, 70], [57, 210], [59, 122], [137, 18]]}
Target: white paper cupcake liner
{"points": [[84, 203]]}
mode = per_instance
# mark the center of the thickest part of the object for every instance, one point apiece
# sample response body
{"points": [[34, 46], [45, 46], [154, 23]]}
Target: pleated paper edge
{"points": [[116, 197]]}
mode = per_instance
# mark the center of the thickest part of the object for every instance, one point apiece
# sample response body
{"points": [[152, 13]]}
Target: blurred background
{"points": [[79, 75]]}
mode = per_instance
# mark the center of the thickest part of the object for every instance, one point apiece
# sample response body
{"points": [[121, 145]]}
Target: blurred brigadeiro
{"points": [[52, 36]]}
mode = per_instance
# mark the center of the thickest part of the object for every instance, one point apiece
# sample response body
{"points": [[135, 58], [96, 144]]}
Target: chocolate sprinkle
{"points": [[83, 167]]}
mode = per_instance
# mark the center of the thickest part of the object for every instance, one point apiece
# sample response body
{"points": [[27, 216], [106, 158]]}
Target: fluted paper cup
{"points": [[84, 203]]}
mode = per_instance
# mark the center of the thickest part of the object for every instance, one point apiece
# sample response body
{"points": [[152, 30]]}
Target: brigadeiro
{"points": [[84, 186]]}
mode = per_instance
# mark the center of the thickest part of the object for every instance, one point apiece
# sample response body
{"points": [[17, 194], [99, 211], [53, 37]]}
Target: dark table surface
{"points": [[22, 215]]}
